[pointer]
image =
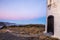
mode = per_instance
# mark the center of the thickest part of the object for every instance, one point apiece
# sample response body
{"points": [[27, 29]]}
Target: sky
{"points": [[23, 11]]}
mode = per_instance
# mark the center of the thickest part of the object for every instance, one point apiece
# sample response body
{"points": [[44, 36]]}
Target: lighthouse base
{"points": [[50, 35]]}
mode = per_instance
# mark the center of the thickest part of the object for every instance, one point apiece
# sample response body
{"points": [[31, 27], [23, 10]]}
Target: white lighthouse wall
{"points": [[55, 11], [57, 20]]}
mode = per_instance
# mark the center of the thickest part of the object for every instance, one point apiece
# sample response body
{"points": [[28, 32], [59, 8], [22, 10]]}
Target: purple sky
{"points": [[22, 9]]}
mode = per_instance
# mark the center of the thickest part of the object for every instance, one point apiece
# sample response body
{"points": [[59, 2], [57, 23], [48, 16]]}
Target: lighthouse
{"points": [[53, 18]]}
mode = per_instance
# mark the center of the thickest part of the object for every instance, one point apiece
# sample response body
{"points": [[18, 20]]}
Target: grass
{"points": [[29, 31]]}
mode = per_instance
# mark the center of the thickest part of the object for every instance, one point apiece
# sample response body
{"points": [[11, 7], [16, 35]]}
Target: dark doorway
{"points": [[50, 24]]}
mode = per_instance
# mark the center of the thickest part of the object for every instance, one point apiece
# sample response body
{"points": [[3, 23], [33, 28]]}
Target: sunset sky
{"points": [[23, 11]]}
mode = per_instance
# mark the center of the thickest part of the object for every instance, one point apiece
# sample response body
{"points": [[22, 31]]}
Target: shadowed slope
{"points": [[9, 36]]}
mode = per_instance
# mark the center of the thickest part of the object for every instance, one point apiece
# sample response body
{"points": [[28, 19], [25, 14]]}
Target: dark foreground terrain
{"points": [[29, 32], [9, 36]]}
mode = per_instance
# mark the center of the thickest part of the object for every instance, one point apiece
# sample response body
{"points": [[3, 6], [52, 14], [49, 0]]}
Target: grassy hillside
{"points": [[30, 30]]}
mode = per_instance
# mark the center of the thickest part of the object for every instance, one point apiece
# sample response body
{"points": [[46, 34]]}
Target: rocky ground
{"points": [[24, 33], [9, 36]]}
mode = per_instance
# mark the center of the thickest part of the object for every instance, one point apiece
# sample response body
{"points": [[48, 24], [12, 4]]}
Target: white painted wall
{"points": [[55, 11]]}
